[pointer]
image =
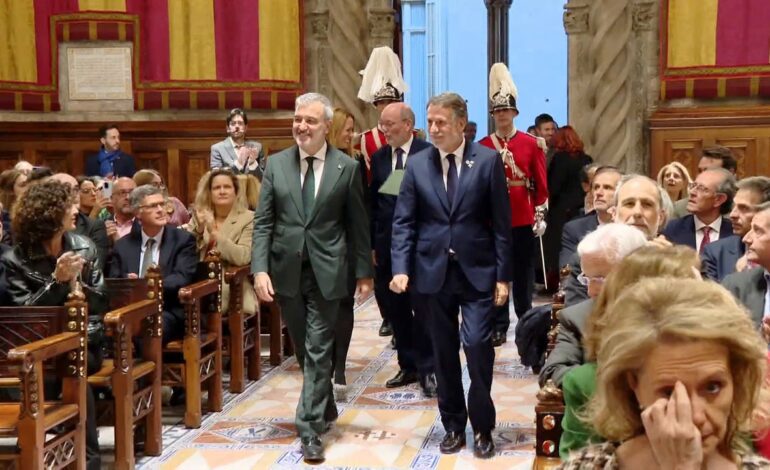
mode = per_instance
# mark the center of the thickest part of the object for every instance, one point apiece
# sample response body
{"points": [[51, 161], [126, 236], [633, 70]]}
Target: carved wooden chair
{"points": [[135, 379], [241, 341], [33, 344], [549, 410], [197, 358]]}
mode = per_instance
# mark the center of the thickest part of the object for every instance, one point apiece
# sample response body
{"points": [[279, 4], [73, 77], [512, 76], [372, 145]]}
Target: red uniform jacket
{"points": [[530, 159], [371, 141]]}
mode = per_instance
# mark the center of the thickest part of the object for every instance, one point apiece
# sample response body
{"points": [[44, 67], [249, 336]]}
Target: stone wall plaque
{"points": [[99, 73]]}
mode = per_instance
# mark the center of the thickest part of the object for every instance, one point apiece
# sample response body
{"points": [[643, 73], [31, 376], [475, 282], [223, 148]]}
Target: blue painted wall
{"points": [[445, 49]]}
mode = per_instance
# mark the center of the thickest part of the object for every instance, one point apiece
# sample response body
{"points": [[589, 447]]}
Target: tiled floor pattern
{"points": [[378, 428]]}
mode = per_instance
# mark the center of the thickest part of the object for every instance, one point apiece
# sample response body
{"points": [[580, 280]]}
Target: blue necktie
{"points": [[451, 178]]}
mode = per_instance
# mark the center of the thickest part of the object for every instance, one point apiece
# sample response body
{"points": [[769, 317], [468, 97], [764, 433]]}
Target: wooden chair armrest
{"points": [[45, 348], [131, 313], [189, 294], [236, 273]]}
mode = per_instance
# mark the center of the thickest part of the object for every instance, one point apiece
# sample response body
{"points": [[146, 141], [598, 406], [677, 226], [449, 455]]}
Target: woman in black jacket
{"points": [[566, 195], [46, 264]]}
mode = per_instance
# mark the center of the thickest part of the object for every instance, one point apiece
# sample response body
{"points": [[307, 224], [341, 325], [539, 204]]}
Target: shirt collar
{"points": [[458, 152], [235, 146], [715, 225], [510, 135], [321, 154], [157, 237], [407, 145]]}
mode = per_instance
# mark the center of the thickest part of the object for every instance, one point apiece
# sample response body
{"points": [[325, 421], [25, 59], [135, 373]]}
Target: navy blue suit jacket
{"points": [[384, 205], [178, 261], [681, 231], [477, 226], [718, 259], [124, 165], [573, 233]]}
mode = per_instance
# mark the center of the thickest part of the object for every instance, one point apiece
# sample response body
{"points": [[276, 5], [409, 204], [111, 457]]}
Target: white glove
{"points": [[539, 228]]}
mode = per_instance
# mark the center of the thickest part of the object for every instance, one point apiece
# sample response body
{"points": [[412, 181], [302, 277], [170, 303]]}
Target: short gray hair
{"points": [[758, 184], [407, 114], [138, 194], [451, 101], [309, 98], [728, 187], [664, 200], [613, 242]]}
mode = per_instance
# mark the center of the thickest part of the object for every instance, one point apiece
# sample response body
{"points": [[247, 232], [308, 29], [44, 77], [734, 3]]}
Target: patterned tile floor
{"points": [[378, 428]]}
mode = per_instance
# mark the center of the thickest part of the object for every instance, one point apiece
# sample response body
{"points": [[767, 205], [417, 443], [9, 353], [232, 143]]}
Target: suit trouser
{"points": [[522, 261], [413, 347], [343, 332], [311, 319], [477, 309]]}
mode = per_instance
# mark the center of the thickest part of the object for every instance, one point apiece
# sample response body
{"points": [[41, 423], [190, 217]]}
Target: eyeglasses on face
{"points": [[699, 188], [586, 280], [157, 205]]}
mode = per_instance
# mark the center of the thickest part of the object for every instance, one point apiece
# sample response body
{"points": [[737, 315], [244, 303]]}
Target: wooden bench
{"points": [[30, 339], [241, 341]]}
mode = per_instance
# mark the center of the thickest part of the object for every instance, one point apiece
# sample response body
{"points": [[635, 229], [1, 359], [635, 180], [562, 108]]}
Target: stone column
{"points": [[613, 50], [381, 26], [497, 37]]}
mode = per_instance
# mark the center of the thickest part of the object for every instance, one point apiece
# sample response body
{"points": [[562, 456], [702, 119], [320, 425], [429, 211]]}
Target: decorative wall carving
{"points": [[644, 16], [575, 18]]}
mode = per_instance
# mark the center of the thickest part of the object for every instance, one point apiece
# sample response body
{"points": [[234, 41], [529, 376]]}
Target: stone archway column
{"points": [[613, 77]]}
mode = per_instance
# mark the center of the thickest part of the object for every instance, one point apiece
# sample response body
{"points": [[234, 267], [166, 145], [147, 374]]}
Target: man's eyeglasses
{"points": [[697, 187], [157, 205], [586, 280]]}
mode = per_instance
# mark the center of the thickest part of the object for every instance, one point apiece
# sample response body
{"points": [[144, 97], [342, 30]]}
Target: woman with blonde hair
{"points": [[223, 223], [679, 370], [176, 210], [579, 383], [674, 178]]}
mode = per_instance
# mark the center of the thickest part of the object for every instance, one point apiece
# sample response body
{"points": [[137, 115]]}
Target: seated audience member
{"points": [[712, 157], [677, 380], [177, 212], [153, 242], [711, 199], [586, 176], [4, 247], [110, 162], [221, 222], [722, 257], [92, 203], [565, 195], [235, 152], [602, 190], [600, 251], [122, 220], [750, 286], [579, 382], [248, 195], [46, 263], [638, 201], [12, 185], [23, 166], [675, 179]]}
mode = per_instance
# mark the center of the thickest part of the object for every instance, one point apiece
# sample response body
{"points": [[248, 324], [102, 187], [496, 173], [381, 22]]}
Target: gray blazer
{"points": [[568, 352], [223, 156], [749, 287]]}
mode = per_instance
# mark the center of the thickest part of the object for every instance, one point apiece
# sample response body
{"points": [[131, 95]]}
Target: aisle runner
{"points": [[377, 428]]}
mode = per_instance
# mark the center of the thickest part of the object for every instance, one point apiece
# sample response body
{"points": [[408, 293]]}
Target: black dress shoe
{"points": [[428, 385], [392, 342], [178, 397], [452, 443], [385, 328], [312, 450], [498, 338], [483, 445], [402, 378]]}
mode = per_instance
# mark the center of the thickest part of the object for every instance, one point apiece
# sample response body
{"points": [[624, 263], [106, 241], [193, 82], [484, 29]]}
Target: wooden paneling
{"points": [[681, 134], [179, 150]]}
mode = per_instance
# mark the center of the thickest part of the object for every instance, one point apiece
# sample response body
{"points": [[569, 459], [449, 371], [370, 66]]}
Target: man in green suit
{"points": [[311, 206]]}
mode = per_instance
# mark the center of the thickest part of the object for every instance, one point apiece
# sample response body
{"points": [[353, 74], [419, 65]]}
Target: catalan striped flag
{"points": [[715, 48], [187, 53]]}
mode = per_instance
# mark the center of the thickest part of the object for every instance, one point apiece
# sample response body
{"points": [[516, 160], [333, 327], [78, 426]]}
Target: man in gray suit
{"points": [[600, 251], [235, 152], [750, 286], [311, 207]]}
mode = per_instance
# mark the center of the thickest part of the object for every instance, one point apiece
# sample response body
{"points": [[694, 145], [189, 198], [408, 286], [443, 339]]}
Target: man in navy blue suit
{"points": [[452, 241], [415, 357], [721, 257], [711, 199], [110, 162]]}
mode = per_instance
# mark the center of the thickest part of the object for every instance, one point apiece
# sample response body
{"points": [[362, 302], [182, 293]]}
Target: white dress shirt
{"points": [[405, 148], [318, 166], [155, 248], [458, 153], [716, 225]]}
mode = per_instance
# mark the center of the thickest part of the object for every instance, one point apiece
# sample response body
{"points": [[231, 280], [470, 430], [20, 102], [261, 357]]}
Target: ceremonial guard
{"points": [[524, 163]]}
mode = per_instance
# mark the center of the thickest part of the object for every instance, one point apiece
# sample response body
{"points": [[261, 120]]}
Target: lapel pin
{"points": [[339, 166], [469, 163]]}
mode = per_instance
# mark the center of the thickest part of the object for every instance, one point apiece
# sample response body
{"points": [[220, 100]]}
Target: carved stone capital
{"points": [[382, 23], [494, 4], [643, 16], [575, 18], [319, 25]]}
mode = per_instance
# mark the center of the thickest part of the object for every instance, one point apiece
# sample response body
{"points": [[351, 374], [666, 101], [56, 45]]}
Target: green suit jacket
{"points": [[281, 232]]}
